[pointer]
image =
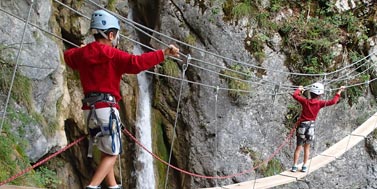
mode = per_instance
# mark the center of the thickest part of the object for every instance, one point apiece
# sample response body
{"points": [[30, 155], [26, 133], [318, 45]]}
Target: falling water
{"points": [[144, 161]]}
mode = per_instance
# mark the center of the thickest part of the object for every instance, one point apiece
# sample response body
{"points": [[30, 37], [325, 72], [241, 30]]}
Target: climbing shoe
{"points": [[294, 169], [304, 169]]}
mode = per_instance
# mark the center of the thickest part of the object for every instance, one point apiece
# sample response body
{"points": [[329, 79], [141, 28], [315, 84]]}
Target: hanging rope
{"points": [[134, 41], [143, 29], [177, 106], [216, 135], [346, 102], [125, 131], [16, 66], [42, 161], [185, 66], [315, 138]]}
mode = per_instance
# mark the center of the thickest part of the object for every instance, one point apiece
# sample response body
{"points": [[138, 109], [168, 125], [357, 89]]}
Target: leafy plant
{"points": [[243, 8], [47, 178], [169, 67], [237, 81], [255, 45], [21, 89], [292, 115]]}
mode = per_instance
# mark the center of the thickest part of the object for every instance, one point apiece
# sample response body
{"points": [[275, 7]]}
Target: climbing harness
{"points": [[96, 126], [306, 130]]}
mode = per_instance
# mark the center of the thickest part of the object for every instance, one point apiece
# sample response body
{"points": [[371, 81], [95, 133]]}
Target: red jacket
{"points": [[311, 107], [101, 67]]}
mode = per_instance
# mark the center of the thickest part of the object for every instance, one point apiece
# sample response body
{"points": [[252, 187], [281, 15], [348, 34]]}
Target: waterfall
{"points": [[144, 161]]}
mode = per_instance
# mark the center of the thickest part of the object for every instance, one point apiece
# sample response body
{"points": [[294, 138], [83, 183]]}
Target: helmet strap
{"points": [[103, 34], [115, 41]]}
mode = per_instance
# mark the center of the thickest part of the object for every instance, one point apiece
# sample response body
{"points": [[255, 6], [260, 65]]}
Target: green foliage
{"points": [[190, 39], [21, 89], [160, 148], [238, 81], [14, 159], [47, 178], [273, 167], [169, 67], [353, 93], [228, 10], [293, 113], [243, 8], [111, 4], [309, 42], [255, 45], [275, 5]]}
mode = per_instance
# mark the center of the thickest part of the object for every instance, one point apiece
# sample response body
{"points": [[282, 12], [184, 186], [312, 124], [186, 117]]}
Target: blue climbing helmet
{"points": [[102, 20]]}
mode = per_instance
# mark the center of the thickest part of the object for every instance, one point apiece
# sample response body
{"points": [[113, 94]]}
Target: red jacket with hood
{"points": [[101, 67], [311, 107]]}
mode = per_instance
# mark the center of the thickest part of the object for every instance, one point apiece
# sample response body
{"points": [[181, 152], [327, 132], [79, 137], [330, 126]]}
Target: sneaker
{"points": [[294, 169], [304, 169]]}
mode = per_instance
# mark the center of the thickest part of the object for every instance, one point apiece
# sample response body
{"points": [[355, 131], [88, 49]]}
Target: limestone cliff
{"points": [[227, 121]]}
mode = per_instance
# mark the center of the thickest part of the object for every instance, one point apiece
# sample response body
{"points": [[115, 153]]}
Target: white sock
{"points": [[116, 186], [94, 187]]}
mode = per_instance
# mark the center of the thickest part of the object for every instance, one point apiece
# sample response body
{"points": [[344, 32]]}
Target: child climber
{"points": [[310, 109], [101, 66]]}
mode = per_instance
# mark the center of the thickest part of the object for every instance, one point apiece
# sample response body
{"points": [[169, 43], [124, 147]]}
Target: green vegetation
{"points": [[170, 68], [292, 115], [111, 4], [160, 148], [47, 178], [273, 167], [255, 45], [14, 159], [21, 90], [190, 39], [309, 34], [244, 8], [238, 82]]}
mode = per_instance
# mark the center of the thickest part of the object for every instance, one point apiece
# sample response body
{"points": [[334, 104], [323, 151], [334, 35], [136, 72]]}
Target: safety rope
{"points": [[317, 126], [134, 24], [134, 41], [16, 66], [184, 69], [43, 161], [144, 30], [125, 131], [216, 137], [346, 124], [181, 80], [346, 103]]}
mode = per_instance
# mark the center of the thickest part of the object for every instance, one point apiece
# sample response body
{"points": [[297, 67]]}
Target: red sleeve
{"points": [[298, 97], [333, 101], [133, 64], [69, 57]]}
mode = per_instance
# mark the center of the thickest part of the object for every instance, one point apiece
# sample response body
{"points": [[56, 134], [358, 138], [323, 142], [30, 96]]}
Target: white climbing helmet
{"points": [[317, 88], [102, 20]]}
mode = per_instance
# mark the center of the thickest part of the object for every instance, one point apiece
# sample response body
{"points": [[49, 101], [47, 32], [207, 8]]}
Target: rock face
{"points": [[216, 132], [39, 61]]}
